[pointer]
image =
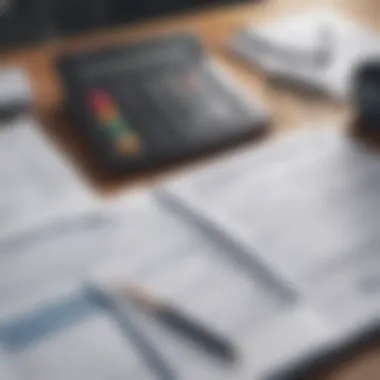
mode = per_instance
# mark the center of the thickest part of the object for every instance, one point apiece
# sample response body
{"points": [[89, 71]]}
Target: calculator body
{"points": [[155, 102]]}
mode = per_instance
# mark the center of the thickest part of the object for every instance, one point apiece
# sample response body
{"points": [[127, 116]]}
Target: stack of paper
{"points": [[49, 325], [275, 249], [307, 208], [334, 44], [45, 311]]}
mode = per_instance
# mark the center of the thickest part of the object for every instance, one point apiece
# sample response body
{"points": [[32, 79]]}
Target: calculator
{"points": [[156, 102]]}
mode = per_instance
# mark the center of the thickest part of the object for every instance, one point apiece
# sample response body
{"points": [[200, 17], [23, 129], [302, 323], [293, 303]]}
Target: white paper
{"points": [[348, 292], [6, 370], [133, 239], [199, 276], [188, 267], [15, 87], [299, 32], [37, 185], [283, 337], [349, 42], [34, 266], [308, 204], [50, 267], [91, 349], [286, 340], [303, 210], [306, 208]]}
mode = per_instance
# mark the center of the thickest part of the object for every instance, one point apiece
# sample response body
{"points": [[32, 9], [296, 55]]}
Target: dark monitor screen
{"points": [[32, 20]]}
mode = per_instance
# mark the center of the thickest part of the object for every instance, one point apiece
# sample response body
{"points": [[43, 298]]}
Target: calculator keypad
{"points": [[156, 102], [166, 112]]}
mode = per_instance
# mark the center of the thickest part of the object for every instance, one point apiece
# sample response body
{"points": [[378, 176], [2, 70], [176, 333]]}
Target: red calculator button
{"points": [[98, 99], [107, 113]]}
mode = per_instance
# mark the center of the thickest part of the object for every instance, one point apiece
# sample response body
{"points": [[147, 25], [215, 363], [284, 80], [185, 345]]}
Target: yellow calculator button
{"points": [[129, 144], [107, 114]]}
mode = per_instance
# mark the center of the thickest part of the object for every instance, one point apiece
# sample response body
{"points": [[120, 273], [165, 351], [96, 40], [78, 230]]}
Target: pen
{"points": [[182, 324], [154, 359]]}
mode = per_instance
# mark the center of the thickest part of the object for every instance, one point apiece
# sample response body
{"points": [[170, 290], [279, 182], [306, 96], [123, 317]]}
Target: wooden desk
{"points": [[213, 27]]}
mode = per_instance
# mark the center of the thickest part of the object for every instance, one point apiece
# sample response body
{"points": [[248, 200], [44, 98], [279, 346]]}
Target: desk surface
{"points": [[213, 27]]}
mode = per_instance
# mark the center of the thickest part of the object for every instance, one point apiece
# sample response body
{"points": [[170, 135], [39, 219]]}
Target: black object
{"points": [[24, 21], [153, 102], [367, 95], [72, 16]]}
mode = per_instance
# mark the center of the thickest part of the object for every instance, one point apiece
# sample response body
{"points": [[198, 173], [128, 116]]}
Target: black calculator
{"points": [[156, 102]]}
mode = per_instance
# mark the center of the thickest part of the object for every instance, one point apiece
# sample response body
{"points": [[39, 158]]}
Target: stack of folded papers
{"points": [[318, 49]]}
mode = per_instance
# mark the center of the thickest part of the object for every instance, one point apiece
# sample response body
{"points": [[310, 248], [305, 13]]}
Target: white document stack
{"points": [[275, 249], [322, 30]]}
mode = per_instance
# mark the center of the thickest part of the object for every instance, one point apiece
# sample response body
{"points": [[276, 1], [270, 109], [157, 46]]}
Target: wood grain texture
{"points": [[213, 27]]}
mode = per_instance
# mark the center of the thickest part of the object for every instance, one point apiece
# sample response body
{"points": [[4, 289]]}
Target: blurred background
{"points": [[244, 75]]}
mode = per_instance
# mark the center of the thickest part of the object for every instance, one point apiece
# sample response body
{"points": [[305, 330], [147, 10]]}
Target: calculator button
{"points": [[128, 145], [119, 130], [157, 137], [107, 113]]}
